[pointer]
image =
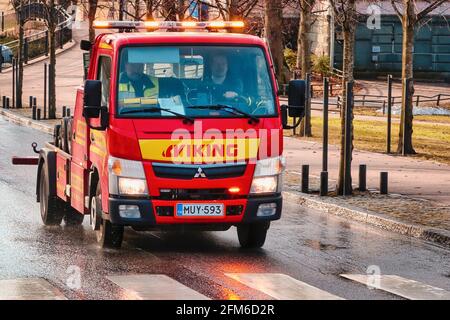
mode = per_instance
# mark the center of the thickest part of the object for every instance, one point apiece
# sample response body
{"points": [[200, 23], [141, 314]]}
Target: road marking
{"points": [[155, 287], [281, 286], [29, 289], [406, 288]]}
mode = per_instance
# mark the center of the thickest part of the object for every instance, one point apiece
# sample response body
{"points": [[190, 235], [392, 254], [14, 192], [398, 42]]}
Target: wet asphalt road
{"points": [[307, 245]]}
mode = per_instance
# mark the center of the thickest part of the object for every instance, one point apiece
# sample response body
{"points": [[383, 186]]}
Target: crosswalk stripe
{"points": [[155, 287], [29, 289], [281, 286], [406, 288]]}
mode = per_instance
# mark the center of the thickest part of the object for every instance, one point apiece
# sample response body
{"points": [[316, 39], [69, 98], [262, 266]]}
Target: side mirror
{"points": [[92, 108], [92, 98], [296, 98], [284, 116], [85, 45]]}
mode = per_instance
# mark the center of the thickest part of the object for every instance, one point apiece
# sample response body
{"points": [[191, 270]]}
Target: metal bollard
{"points": [[68, 112], [3, 101], [30, 103], [64, 111], [38, 117], [305, 178], [323, 183], [383, 183], [362, 177], [34, 101], [33, 112], [7, 102]]}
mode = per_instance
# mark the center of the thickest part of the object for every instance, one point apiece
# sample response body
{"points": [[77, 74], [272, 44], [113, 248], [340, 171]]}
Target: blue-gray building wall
{"points": [[379, 51]]}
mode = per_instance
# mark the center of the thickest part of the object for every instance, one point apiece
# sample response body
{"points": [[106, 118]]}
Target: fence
{"points": [[376, 101], [37, 44], [380, 102]]}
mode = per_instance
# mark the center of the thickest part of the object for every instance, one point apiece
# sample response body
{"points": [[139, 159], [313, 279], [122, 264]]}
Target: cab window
{"points": [[194, 81], [104, 75]]}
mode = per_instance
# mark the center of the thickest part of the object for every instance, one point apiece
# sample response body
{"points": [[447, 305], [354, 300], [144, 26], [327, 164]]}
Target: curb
{"points": [[438, 236], [27, 122]]}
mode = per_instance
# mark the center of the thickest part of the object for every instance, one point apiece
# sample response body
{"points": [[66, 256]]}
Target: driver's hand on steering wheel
{"points": [[230, 95]]}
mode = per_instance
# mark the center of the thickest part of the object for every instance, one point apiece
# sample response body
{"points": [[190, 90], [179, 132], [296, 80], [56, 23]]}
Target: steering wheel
{"points": [[260, 105], [197, 91]]}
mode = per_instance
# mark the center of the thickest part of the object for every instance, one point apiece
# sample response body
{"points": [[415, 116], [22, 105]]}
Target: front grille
{"points": [[188, 172], [195, 194]]}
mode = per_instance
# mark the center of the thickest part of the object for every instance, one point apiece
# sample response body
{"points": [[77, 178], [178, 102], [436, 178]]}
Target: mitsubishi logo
{"points": [[200, 173]]}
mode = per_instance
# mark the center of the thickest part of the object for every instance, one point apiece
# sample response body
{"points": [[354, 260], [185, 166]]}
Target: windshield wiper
{"points": [[229, 109], [156, 109]]}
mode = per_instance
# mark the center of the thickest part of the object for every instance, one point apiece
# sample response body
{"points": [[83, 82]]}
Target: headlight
{"points": [[270, 167], [126, 177], [129, 186], [264, 185], [268, 176]]}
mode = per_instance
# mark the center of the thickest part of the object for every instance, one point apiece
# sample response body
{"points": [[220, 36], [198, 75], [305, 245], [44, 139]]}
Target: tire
{"points": [[108, 235], [253, 235], [64, 135], [69, 135], [56, 135], [52, 211], [72, 217]]}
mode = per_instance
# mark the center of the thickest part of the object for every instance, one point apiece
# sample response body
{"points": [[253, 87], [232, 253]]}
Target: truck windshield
{"points": [[194, 82]]}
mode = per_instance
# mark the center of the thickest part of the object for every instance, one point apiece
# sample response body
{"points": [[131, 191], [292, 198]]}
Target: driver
{"points": [[134, 83], [221, 84]]}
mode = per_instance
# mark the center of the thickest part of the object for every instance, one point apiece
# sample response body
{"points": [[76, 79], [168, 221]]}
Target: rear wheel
{"points": [[253, 235], [108, 235], [51, 207], [57, 135], [69, 135], [65, 134]]}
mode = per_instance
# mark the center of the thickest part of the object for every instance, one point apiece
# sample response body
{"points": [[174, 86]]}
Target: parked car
{"points": [[6, 54]]}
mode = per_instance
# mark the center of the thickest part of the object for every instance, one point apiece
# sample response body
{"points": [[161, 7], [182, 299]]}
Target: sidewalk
{"points": [[69, 75], [407, 176]]}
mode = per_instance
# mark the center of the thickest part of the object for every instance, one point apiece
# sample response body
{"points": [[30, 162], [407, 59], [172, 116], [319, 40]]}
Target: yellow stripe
{"points": [[105, 46], [98, 151], [76, 183], [199, 150], [81, 129]]}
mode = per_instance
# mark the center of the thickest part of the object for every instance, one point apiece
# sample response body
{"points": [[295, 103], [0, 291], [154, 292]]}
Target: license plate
{"points": [[199, 210]]}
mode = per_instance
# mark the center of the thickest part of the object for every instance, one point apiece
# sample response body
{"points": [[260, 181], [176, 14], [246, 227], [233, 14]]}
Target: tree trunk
{"points": [[20, 54], [169, 10], [92, 11], [406, 118], [52, 72], [347, 68], [273, 27], [304, 59], [234, 10], [149, 13], [137, 10]]}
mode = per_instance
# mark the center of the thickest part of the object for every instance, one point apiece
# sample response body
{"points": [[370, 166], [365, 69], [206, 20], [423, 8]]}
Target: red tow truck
{"points": [[178, 125]]}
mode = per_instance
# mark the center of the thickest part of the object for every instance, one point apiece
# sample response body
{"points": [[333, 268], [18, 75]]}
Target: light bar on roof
{"points": [[158, 25]]}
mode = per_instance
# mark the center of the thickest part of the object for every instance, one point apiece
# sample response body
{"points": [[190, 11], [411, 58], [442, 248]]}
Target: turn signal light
{"points": [[234, 190]]}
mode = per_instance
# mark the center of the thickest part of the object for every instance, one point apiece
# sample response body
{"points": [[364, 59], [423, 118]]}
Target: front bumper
{"points": [[149, 218]]}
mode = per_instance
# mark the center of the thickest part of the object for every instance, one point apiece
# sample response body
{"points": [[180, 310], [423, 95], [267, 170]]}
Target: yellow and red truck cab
{"points": [[171, 130]]}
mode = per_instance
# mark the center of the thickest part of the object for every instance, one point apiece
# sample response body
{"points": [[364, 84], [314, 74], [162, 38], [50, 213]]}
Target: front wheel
{"points": [[108, 235], [253, 235]]}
